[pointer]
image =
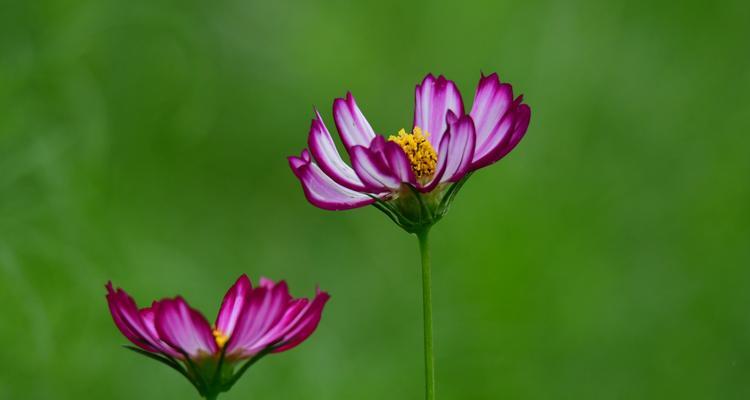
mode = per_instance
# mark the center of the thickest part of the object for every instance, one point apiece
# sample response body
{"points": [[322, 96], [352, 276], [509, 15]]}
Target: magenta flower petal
{"points": [[442, 164], [433, 99], [399, 163], [321, 190], [494, 112], [266, 283], [509, 131], [461, 149], [372, 169], [265, 307], [131, 322], [352, 125], [184, 328], [291, 314], [523, 116], [377, 146], [129, 329], [483, 155], [491, 102], [232, 305], [328, 158], [148, 317], [305, 323]]}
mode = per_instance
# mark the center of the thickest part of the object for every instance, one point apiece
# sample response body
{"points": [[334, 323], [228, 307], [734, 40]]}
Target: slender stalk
{"points": [[429, 360]]}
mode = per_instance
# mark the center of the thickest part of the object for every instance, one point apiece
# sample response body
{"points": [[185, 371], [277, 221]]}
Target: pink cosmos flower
{"points": [[411, 176], [251, 323]]}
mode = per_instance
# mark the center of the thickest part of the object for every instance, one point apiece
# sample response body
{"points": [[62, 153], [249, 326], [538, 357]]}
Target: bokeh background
{"points": [[607, 257]]}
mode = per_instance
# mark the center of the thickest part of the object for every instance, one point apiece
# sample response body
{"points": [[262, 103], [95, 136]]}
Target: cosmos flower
{"points": [[252, 322], [414, 175], [411, 176]]}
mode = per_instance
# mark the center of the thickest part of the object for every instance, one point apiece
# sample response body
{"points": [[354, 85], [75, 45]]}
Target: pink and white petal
{"points": [[277, 301], [238, 342], [351, 123], [305, 323], [373, 171], [266, 283], [148, 315], [114, 310], [321, 191], [522, 116], [264, 334], [327, 155], [399, 163], [451, 118], [128, 320], [377, 144], [433, 99], [461, 149], [442, 163], [296, 163], [184, 328], [377, 148], [500, 135], [378, 152], [293, 312], [492, 102], [232, 305], [265, 308]]}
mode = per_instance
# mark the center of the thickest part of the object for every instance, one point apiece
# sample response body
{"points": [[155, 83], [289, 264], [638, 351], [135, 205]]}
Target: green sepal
{"points": [[415, 211], [209, 375]]}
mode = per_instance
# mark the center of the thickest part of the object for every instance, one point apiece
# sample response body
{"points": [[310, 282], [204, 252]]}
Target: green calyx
{"points": [[415, 211], [210, 376]]}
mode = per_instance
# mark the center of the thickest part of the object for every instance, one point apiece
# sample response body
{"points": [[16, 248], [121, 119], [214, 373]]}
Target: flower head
{"points": [[411, 176], [252, 322]]}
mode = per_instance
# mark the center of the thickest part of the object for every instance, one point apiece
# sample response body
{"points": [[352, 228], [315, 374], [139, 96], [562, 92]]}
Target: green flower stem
{"points": [[429, 359]]}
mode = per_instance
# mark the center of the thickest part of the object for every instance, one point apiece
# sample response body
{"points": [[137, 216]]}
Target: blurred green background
{"points": [[607, 257]]}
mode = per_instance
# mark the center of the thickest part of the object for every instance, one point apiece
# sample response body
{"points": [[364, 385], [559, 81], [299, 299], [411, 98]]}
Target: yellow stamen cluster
{"points": [[422, 156], [220, 338]]}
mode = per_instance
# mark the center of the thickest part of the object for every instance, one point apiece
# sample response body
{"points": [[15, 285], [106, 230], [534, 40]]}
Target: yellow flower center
{"points": [[220, 338], [422, 156]]}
